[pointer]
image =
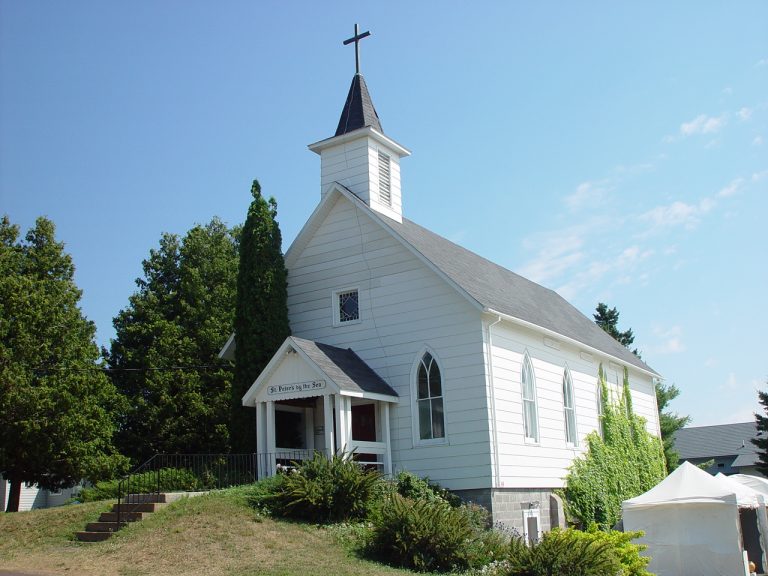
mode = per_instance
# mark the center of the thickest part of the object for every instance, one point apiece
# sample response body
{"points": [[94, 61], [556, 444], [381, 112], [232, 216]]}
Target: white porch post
{"points": [[270, 421], [309, 429], [261, 438], [343, 421], [328, 424], [385, 438]]}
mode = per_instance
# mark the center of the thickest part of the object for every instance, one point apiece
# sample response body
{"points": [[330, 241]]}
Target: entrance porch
{"points": [[313, 397]]}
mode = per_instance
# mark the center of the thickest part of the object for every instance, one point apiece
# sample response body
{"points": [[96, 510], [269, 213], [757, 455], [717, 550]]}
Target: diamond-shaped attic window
{"points": [[349, 308]]}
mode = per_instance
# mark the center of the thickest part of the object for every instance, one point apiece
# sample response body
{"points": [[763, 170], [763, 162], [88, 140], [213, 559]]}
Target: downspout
{"points": [[492, 397]]}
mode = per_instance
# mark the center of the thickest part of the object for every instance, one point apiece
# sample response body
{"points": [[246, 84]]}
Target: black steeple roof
{"points": [[358, 110]]}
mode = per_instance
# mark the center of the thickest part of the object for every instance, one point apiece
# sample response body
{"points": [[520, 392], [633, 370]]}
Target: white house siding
{"points": [[32, 497], [544, 464], [355, 165], [404, 307]]}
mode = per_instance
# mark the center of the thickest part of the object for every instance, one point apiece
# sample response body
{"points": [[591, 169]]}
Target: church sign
{"points": [[295, 388]]}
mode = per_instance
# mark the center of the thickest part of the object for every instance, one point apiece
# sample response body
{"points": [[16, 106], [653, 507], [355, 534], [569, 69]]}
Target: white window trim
{"points": [[417, 440], [335, 306], [575, 443], [528, 439], [531, 513]]}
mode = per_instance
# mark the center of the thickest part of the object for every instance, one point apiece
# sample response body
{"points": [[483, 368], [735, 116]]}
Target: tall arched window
{"points": [[569, 410], [430, 399], [530, 409]]}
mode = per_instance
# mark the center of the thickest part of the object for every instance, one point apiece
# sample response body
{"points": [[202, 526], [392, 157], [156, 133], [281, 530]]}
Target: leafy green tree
{"points": [[261, 313], [56, 405], [761, 441], [625, 462], [669, 422], [608, 320], [165, 354]]}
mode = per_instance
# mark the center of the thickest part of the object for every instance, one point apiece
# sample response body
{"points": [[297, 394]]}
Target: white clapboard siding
{"points": [[404, 307], [544, 463]]}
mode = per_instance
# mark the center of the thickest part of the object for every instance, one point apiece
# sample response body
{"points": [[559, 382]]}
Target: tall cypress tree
{"points": [[261, 310]]}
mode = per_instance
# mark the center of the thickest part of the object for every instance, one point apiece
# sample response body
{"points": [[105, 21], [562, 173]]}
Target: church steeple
{"points": [[358, 110], [359, 156]]}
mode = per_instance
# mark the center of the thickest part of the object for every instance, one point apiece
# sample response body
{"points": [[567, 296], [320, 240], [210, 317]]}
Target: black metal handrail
{"points": [[184, 473]]}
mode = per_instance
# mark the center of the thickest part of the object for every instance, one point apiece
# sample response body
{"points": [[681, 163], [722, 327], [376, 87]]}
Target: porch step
{"points": [[137, 507], [92, 536], [141, 507], [124, 516], [104, 526], [149, 498]]}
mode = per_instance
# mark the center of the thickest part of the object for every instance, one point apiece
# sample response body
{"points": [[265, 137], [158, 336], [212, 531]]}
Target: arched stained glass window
{"points": [[569, 410], [530, 408], [430, 399]]}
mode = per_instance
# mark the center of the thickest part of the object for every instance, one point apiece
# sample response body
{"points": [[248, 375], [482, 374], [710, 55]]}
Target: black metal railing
{"points": [[271, 463], [183, 473]]}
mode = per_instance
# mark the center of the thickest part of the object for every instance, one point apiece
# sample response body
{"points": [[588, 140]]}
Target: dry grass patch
{"points": [[216, 535]]}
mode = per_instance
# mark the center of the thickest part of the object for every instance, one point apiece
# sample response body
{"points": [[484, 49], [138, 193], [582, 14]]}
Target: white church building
{"points": [[420, 355]]}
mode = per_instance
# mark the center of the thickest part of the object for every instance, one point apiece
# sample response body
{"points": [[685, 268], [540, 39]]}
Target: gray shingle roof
{"points": [[358, 110], [721, 440], [501, 290], [344, 367]]}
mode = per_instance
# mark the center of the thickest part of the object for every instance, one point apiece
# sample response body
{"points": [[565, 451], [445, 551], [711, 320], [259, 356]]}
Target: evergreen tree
{"points": [[608, 320], [761, 441], [56, 405], [261, 313], [669, 422], [165, 354], [625, 462]]}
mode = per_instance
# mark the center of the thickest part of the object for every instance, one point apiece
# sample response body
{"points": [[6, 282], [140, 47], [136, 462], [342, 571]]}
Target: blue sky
{"points": [[612, 152]]}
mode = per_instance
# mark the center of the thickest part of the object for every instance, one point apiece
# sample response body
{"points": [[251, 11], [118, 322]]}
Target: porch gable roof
{"points": [[344, 369]]}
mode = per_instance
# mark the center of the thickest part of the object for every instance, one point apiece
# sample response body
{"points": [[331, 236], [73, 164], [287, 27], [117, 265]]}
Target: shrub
{"points": [[628, 554], [171, 479], [562, 553], [411, 486], [430, 535], [575, 553], [326, 490]]}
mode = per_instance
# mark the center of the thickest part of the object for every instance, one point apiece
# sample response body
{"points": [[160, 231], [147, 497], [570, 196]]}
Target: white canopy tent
{"points": [[757, 483], [754, 521], [691, 525]]}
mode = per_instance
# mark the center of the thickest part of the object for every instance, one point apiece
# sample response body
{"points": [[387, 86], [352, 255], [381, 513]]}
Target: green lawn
{"points": [[217, 534]]}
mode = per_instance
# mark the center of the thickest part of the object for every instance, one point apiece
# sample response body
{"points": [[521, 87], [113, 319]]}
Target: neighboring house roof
{"points": [[344, 367], [720, 440], [358, 110]]}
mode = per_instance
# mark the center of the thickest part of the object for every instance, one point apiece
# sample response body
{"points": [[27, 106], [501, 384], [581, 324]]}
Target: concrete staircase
{"points": [[136, 507]]}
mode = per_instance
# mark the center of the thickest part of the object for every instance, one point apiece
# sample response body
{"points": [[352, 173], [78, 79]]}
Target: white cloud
{"points": [[586, 193], [675, 214], [757, 176], [710, 362], [728, 90], [761, 63], [668, 340], [702, 124], [731, 188], [757, 141], [745, 114]]}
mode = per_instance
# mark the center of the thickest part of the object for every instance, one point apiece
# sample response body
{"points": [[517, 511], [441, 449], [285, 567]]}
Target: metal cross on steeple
{"points": [[356, 39]]}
